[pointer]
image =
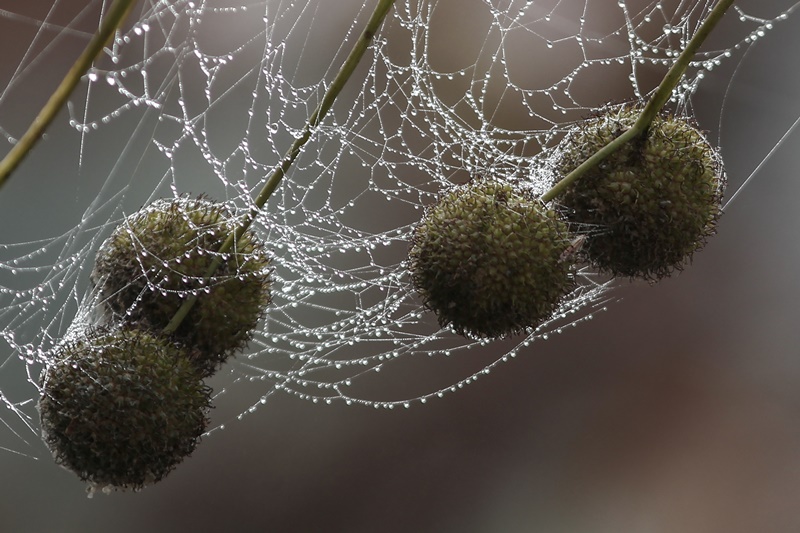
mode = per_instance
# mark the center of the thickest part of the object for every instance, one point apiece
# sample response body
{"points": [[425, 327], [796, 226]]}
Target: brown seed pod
{"points": [[651, 204], [489, 259], [121, 409], [160, 255]]}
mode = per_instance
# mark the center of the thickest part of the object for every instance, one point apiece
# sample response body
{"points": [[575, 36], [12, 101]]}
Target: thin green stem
{"points": [[660, 97], [113, 19], [274, 179]]}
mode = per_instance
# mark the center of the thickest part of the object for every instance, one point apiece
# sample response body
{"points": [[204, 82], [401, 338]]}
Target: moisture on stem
{"points": [[660, 97], [274, 179]]}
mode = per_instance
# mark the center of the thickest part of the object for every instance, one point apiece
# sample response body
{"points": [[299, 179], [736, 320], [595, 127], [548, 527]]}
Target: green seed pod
{"points": [[160, 255], [121, 409], [651, 204], [490, 260]]}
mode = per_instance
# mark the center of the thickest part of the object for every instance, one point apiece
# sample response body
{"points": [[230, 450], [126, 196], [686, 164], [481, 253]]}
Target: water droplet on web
{"points": [[337, 315]]}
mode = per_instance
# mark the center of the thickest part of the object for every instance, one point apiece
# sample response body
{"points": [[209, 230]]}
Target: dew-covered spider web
{"points": [[205, 97]]}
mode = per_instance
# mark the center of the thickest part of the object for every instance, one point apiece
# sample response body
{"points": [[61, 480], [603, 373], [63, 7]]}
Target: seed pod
{"points": [[121, 409], [651, 204], [490, 260], [160, 255]]}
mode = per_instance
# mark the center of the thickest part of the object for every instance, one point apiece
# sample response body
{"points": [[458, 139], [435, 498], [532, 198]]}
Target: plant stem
{"points": [[274, 179], [660, 97], [113, 19]]}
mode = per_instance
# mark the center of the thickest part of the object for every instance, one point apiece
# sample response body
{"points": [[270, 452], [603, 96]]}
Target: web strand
{"points": [[205, 97]]}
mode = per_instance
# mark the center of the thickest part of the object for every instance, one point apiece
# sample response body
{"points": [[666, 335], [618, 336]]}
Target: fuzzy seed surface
{"points": [[122, 409], [650, 205], [488, 259], [159, 256]]}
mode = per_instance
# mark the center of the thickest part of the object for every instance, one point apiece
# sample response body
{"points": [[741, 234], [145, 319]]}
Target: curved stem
{"points": [[113, 19], [660, 97], [274, 179]]}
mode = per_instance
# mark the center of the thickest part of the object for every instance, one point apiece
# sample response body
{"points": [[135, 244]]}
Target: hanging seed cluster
{"points": [[489, 259], [650, 205], [124, 404]]}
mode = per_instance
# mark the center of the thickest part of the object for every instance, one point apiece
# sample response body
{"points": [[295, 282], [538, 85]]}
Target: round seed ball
{"points": [[122, 409], [160, 255], [648, 206], [490, 260]]}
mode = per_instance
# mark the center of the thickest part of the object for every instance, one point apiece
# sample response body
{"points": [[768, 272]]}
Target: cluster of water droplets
{"points": [[220, 92]]}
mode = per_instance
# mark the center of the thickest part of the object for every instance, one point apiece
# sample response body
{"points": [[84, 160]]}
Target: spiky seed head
{"points": [[650, 205], [490, 260], [160, 255], [121, 409]]}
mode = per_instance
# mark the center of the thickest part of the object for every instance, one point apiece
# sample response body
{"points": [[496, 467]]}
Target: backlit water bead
{"points": [[160, 255], [490, 260], [651, 204], [121, 409]]}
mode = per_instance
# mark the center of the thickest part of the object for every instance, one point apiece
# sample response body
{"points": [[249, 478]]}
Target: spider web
{"points": [[205, 97]]}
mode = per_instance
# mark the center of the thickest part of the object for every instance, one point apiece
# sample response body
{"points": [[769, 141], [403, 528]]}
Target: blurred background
{"points": [[674, 411]]}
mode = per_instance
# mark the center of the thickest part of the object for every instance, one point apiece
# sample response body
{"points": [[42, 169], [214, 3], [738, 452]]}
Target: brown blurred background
{"points": [[674, 411]]}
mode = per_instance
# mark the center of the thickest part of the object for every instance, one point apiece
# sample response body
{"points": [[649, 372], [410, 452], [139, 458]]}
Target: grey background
{"points": [[675, 411]]}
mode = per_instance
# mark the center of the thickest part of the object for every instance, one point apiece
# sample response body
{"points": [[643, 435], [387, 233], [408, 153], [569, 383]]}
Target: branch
{"points": [[113, 19], [274, 179]]}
